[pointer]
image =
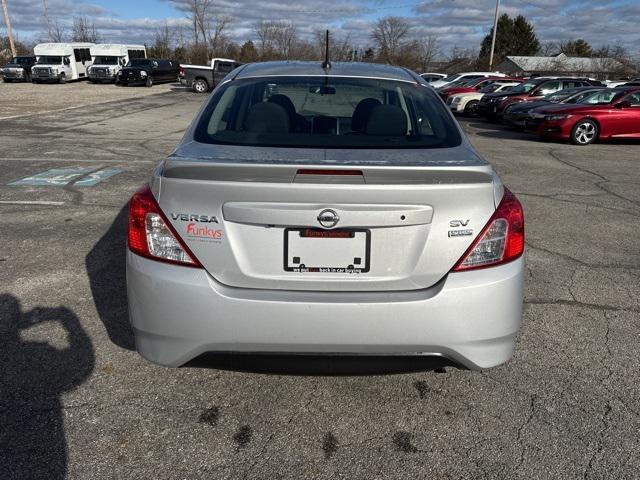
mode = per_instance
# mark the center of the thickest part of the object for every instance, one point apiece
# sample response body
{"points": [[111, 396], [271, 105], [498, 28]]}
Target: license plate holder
{"points": [[310, 250]]}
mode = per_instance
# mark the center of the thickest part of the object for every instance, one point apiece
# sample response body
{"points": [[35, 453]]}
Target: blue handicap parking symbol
{"points": [[60, 177]]}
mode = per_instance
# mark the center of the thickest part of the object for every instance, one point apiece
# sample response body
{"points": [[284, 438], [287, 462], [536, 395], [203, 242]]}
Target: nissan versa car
{"points": [[330, 211]]}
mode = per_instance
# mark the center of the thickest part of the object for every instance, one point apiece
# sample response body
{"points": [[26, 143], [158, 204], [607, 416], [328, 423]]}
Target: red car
{"points": [[473, 85], [612, 113]]}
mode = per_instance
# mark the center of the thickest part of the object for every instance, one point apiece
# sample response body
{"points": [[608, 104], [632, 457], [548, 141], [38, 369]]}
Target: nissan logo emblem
{"points": [[328, 218]]}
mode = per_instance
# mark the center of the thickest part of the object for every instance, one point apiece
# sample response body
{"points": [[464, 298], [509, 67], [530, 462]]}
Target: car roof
{"points": [[338, 69]]}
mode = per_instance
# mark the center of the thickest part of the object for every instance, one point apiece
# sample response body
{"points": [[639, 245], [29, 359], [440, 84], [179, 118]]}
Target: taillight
{"points": [[500, 241], [181, 72], [152, 236]]}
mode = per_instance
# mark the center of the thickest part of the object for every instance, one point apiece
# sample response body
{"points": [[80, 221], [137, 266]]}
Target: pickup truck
{"points": [[18, 69], [204, 78]]}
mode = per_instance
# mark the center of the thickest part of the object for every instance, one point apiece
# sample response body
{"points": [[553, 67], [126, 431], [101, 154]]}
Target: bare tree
{"points": [[218, 39], [200, 15], [428, 48], [285, 36], [56, 32], [84, 31], [389, 34], [163, 41], [265, 31], [340, 48]]}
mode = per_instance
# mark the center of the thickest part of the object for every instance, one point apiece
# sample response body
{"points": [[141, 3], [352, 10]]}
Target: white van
{"points": [[109, 58], [60, 62]]}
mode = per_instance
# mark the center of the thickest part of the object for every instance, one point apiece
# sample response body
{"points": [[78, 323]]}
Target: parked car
{"points": [[430, 77], [204, 78], [148, 71], [109, 59], [517, 114], [471, 86], [464, 76], [604, 114], [279, 224], [61, 62], [493, 105], [18, 69], [467, 103]]}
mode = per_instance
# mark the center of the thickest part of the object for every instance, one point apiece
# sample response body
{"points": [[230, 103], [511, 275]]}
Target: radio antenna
{"points": [[326, 64]]}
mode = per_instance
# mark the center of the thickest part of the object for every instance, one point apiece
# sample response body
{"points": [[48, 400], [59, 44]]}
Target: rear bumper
{"points": [[178, 313]]}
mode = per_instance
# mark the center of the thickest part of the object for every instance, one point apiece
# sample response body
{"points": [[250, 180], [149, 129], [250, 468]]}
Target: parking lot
{"points": [[76, 399]]}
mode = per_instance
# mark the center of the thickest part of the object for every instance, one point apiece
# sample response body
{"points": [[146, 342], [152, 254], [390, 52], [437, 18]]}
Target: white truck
{"points": [[203, 78], [60, 62], [109, 58]]}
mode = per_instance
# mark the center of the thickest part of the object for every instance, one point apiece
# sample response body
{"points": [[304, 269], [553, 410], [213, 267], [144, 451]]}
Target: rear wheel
{"points": [[471, 108], [200, 86], [584, 132], [149, 82]]}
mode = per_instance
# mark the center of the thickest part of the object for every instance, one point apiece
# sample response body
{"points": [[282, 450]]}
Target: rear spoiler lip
{"points": [[286, 173]]}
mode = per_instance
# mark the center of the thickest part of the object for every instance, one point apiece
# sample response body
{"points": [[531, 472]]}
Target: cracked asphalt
{"points": [[77, 402]]}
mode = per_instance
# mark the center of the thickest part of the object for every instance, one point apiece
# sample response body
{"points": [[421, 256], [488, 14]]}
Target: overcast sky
{"points": [[454, 22]]}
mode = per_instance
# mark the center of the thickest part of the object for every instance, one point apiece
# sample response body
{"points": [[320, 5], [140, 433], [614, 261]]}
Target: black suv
{"points": [[147, 71], [18, 69]]}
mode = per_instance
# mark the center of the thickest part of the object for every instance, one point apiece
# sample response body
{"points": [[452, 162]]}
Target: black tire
{"points": [[471, 108], [584, 132], [149, 82], [7, 80], [62, 79], [200, 85], [35, 81]]}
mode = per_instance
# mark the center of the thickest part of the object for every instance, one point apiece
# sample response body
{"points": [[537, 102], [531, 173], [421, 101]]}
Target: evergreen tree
{"points": [[515, 36], [576, 48], [248, 52]]}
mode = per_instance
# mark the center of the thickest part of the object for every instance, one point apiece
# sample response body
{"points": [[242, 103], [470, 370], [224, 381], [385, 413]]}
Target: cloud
{"points": [[454, 22]]}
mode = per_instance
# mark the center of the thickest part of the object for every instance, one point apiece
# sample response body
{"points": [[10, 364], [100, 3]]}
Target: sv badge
{"points": [[459, 223]]}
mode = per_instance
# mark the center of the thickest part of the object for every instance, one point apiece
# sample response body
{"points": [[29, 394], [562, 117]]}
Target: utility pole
{"points": [[495, 30], [9, 31]]}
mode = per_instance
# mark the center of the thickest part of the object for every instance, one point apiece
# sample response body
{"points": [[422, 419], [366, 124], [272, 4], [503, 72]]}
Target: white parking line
{"points": [[30, 202]]}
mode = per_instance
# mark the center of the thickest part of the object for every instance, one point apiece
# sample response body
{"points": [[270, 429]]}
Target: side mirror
{"points": [[624, 104]]}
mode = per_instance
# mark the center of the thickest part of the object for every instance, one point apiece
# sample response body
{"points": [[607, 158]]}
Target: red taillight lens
{"points": [[500, 241], [181, 72], [152, 236]]}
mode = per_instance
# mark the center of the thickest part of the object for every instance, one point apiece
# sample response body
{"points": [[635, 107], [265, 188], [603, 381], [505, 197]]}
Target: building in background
{"points": [[600, 68]]}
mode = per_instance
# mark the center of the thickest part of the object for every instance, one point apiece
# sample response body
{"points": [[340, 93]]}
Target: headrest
{"points": [[386, 120], [267, 117]]}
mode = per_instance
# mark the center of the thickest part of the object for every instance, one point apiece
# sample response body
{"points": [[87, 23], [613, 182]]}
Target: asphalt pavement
{"points": [[77, 402]]}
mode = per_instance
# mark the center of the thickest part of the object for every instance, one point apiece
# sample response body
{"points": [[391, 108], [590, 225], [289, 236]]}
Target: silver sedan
{"points": [[325, 211]]}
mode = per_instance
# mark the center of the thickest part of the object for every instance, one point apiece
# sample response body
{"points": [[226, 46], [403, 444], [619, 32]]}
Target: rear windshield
{"points": [[602, 97], [524, 87], [325, 112]]}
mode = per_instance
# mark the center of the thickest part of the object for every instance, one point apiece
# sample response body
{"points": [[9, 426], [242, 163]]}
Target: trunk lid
{"points": [[255, 220]]}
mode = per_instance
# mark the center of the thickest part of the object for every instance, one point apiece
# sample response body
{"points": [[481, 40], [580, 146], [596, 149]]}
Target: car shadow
{"points": [[320, 365], [34, 376], [105, 264]]}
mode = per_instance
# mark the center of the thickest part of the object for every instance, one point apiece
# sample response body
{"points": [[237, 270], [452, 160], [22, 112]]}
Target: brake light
{"points": [[500, 241], [321, 171], [152, 236], [181, 72]]}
